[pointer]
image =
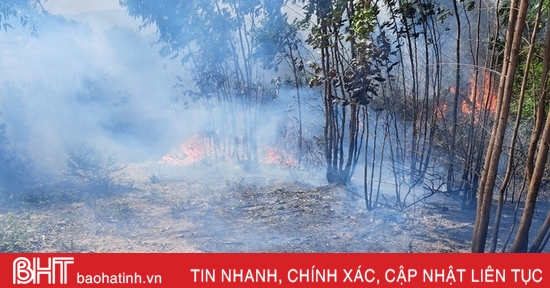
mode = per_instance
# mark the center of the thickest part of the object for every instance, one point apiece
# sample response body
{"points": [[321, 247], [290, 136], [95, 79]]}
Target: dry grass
{"points": [[185, 211]]}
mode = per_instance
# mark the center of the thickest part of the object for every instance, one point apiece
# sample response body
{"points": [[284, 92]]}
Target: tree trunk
{"points": [[508, 174], [521, 241], [513, 41]]}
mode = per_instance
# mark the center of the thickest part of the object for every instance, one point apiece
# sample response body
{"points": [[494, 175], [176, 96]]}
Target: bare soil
{"points": [[181, 210]]}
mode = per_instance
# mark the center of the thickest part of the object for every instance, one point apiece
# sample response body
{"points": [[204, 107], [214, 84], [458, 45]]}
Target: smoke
{"points": [[107, 87], [74, 84]]}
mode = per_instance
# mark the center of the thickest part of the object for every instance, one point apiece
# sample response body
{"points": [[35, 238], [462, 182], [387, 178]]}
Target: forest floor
{"points": [[176, 209]]}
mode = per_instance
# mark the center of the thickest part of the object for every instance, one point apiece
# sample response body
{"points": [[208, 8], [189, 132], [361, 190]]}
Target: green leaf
{"points": [[471, 6]]}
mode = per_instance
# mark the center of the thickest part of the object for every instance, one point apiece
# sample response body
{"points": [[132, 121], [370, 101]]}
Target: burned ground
{"points": [[210, 213]]}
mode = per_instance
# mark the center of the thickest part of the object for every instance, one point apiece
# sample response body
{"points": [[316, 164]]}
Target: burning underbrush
{"points": [[279, 157], [284, 151], [480, 97], [192, 151]]}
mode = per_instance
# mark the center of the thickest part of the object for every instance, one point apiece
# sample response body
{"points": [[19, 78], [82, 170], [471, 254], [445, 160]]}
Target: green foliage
{"points": [[504, 9], [364, 19], [93, 166], [414, 13], [220, 42], [210, 26], [350, 70], [276, 40], [534, 77], [362, 74]]}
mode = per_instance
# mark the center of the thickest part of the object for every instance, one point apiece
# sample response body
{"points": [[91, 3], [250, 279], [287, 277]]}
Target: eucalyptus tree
{"points": [[215, 39], [414, 95], [279, 41], [535, 167], [524, 89], [523, 81], [348, 73]]}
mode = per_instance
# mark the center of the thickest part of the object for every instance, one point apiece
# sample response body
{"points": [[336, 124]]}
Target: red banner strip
{"points": [[275, 270]]}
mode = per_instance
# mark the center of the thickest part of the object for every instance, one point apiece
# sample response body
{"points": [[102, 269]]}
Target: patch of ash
{"points": [[281, 217]]}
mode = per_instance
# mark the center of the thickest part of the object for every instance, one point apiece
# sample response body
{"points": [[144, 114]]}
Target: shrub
{"points": [[93, 166]]}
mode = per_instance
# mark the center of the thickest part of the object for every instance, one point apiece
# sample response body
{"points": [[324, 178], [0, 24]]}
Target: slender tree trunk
{"points": [[542, 236], [515, 30], [521, 241], [508, 174], [541, 108], [450, 172]]}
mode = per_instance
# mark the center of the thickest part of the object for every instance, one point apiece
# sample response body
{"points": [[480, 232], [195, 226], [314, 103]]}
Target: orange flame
{"points": [[196, 149], [482, 98], [452, 89], [440, 111], [276, 156], [192, 151]]}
